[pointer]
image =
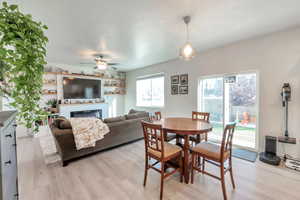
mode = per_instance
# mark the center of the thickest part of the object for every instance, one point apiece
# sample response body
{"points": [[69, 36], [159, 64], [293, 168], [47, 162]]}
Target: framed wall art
{"points": [[174, 79], [183, 89], [184, 79], [174, 89]]}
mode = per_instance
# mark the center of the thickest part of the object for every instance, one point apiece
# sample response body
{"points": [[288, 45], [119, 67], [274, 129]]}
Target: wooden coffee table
{"points": [[184, 127]]}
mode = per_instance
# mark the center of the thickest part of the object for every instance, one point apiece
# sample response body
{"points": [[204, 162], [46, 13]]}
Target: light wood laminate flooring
{"points": [[118, 174]]}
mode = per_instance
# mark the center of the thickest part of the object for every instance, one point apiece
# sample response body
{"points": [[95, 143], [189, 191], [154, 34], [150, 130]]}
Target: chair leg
{"points": [[203, 164], [146, 170], [231, 174], [198, 161], [223, 181], [193, 165], [177, 140], [181, 167], [162, 180]]}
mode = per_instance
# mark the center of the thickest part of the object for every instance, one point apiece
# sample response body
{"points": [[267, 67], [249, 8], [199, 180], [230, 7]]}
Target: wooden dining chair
{"points": [[161, 151], [204, 116], [196, 139], [216, 155], [168, 136]]}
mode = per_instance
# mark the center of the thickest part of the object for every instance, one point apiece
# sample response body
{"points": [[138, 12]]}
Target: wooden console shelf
{"points": [[75, 104], [84, 75], [52, 93]]}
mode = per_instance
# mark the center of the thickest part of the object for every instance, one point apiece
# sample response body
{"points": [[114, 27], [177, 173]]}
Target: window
{"points": [[150, 91], [6, 104]]}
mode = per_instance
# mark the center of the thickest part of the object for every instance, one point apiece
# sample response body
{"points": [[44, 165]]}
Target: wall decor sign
{"points": [[175, 79], [184, 79], [174, 89], [183, 89], [230, 79]]}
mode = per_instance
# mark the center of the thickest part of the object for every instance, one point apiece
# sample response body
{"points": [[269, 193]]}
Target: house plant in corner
{"points": [[22, 60]]}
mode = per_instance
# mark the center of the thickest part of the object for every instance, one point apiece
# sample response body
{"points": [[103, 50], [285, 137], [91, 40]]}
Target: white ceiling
{"points": [[139, 33]]}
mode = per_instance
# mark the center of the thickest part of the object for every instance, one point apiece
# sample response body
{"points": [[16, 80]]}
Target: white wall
{"points": [[277, 59]]}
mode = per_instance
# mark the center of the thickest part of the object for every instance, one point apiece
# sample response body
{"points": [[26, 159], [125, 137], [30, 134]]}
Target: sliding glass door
{"points": [[211, 100], [231, 99]]}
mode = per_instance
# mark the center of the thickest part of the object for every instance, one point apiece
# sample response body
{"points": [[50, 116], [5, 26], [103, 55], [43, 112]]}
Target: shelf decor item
{"points": [[22, 57]]}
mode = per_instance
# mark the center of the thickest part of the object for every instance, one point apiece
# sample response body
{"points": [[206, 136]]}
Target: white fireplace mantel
{"points": [[66, 109]]}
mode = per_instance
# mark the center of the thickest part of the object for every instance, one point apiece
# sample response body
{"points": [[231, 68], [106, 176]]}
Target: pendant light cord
{"points": [[187, 33]]}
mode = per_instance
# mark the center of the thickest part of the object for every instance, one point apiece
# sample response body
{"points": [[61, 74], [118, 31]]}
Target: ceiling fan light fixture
{"points": [[101, 65], [187, 52]]}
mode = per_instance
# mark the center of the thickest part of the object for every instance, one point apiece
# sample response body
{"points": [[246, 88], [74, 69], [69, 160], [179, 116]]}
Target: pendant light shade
{"points": [[187, 52]]}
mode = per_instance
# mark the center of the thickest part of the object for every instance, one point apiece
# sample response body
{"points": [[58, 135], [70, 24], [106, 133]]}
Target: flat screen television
{"points": [[77, 88]]}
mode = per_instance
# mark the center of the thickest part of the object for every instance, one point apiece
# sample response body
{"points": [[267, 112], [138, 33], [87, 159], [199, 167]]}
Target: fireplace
{"points": [[87, 113]]}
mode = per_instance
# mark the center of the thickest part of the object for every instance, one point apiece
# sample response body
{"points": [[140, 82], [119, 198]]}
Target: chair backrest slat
{"points": [[227, 138], [153, 137], [200, 116], [157, 115]]}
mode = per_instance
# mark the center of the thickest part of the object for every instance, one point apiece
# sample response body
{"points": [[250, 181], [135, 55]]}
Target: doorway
{"points": [[231, 99]]}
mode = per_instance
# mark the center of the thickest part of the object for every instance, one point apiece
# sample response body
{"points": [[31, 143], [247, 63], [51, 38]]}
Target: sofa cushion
{"points": [[140, 114], [65, 124], [114, 119]]}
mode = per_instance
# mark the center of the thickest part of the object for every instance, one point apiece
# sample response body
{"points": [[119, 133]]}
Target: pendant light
{"points": [[187, 52]]}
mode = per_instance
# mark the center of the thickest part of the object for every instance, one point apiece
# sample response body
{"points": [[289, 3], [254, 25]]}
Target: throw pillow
{"points": [[137, 115], [132, 111], [114, 119], [65, 124]]}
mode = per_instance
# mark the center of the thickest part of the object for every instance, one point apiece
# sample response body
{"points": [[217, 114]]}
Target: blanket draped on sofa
{"points": [[87, 131]]}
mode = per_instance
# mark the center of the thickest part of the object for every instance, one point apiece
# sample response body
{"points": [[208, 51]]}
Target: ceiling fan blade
{"points": [[87, 63], [113, 64], [101, 55], [113, 68]]}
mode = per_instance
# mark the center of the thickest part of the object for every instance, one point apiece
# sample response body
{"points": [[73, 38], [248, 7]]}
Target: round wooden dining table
{"points": [[184, 127]]}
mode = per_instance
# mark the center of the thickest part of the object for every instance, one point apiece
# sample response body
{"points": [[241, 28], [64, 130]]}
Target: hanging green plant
{"points": [[22, 60]]}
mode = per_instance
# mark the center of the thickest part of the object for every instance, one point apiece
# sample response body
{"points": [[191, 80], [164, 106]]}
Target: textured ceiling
{"points": [[138, 33]]}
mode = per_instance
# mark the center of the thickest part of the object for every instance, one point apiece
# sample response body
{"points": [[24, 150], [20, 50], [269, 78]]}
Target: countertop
{"points": [[5, 116]]}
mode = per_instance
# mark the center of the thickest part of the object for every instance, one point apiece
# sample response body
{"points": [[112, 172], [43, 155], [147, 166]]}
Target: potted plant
{"points": [[22, 60], [52, 103]]}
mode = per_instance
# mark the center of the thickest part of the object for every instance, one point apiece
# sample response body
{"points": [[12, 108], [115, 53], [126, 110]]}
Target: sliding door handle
{"points": [[7, 162]]}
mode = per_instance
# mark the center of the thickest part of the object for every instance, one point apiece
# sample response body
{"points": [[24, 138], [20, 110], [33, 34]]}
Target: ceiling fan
{"points": [[102, 63]]}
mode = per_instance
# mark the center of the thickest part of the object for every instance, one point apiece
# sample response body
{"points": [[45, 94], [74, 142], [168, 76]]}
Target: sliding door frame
{"points": [[257, 107]]}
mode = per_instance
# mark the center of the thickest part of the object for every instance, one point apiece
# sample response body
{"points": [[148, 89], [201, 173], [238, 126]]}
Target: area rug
{"points": [[48, 146], [244, 154]]}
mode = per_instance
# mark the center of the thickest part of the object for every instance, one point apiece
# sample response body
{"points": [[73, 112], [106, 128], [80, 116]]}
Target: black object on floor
{"points": [[244, 154], [269, 156]]}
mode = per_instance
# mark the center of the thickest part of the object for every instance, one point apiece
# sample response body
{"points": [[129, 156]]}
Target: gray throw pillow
{"points": [[114, 119], [57, 121], [132, 111], [137, 115], [65, 124]]}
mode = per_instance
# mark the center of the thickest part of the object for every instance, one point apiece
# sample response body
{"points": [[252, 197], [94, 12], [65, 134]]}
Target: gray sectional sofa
{"points": [[123, 129]]}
